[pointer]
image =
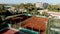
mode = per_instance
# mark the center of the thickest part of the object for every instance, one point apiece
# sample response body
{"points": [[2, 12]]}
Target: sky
{"points": [[28, 1]]}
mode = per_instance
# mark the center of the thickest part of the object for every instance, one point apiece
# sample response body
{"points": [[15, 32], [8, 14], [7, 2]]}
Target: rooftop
{"points": [[8, 31]]}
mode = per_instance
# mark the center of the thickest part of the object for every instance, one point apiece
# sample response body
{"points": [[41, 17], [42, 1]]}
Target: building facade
{"points": [[39, 5]]}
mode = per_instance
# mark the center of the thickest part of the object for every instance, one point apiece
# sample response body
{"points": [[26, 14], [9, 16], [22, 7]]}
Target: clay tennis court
{"points": [[37, 24]]}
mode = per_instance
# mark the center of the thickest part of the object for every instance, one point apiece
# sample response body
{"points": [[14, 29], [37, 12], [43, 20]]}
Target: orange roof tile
{"points": [[9, 31]]}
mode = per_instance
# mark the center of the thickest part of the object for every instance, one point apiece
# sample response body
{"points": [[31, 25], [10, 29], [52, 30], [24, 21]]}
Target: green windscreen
{"points": [[28, 31]]}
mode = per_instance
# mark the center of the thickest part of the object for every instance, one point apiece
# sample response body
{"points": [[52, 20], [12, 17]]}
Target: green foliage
{"points": [[54, 8], [29, 7], [44, 13]]}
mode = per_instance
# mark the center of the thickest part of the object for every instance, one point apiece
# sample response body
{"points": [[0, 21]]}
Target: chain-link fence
{"points": [[53, 26]]}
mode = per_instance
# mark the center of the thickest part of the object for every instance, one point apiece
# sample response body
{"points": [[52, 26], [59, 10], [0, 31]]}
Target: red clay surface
{"points": [[36, 23], [8, 31]]}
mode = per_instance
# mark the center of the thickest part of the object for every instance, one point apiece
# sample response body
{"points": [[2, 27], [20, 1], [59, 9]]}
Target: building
{"points": [[22, 10], [9, 31], [45, 5], [41, 11], [39, 5], [7, 7]]}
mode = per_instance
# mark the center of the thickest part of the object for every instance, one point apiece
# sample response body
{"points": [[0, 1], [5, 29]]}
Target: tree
{"points": [[44, 13], [54, 8], [2, 9]]}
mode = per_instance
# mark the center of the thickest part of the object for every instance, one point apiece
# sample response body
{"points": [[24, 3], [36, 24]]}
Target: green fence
{"points": [[28, 31]]}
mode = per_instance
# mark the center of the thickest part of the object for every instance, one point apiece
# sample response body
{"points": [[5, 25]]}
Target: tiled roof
{"points": [[9, 31], [37, 23]]}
